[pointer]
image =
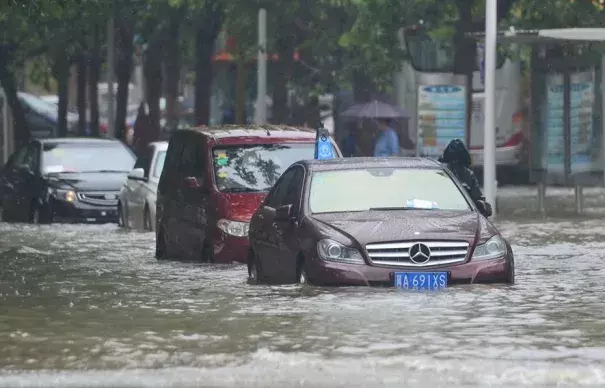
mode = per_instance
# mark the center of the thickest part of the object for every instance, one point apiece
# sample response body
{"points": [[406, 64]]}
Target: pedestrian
{"points": [[349, 145], [387, 143], [458, 161]]}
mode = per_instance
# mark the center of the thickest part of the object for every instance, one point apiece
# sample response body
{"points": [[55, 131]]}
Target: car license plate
{"points": [[420, 280]]}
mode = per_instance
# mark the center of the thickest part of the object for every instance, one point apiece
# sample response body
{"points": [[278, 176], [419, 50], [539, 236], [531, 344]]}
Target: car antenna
{"points": [[267, 130]]}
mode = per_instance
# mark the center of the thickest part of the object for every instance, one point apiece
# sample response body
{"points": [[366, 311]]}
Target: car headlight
{"points": [[64, 195], [331, 250], [234, 228], [493, 248]]}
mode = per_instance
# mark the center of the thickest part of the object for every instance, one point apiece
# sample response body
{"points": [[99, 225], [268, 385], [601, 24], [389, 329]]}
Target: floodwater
{"points": [[90, 306]]}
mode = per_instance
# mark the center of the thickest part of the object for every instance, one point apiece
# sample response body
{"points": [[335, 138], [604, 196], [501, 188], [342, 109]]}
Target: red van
{"points": [[213, 180]]}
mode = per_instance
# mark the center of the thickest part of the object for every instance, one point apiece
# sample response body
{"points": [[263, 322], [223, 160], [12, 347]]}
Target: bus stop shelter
{"points": [[567, 136]]}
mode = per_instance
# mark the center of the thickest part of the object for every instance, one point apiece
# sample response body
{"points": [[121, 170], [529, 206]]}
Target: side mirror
{"points": [[283, 213], [485, 208], [138, 174]]}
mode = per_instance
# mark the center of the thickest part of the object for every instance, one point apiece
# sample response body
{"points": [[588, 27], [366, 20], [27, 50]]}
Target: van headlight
{"points": [[331, 250], [234, 228], [493, 248]]}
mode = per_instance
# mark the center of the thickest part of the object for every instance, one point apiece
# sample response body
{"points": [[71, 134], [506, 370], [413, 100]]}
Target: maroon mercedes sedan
{"points": [[403, 222]]}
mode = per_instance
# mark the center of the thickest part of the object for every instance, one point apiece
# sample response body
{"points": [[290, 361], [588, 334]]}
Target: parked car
{"points": [[137, 198], [374, 221], [42, 117], [213, 180], [64, 180]]}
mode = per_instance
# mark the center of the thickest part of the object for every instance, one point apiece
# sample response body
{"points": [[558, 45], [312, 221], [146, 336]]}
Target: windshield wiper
{"points": [[109, 171], [240, 190], [396, 208]]}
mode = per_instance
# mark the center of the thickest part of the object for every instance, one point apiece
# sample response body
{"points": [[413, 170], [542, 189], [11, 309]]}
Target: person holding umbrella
{"points": [[387, 143]]}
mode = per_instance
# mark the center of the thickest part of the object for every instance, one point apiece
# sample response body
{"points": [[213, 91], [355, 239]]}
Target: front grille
{"points": [[105, 198], [398, 253]]}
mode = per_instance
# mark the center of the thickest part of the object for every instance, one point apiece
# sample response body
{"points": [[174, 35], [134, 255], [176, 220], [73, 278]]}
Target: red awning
{"points": [[224, 56]]}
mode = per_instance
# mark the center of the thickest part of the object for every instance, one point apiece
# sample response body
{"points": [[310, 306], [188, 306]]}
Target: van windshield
{"points": [[255, 168]]}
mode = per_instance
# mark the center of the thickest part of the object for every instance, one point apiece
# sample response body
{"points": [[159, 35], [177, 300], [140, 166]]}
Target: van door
{"points": [[169, 196], [194, 188]]}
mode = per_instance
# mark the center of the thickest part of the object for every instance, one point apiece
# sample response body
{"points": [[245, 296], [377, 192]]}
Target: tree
{"points": [[25, 30]]}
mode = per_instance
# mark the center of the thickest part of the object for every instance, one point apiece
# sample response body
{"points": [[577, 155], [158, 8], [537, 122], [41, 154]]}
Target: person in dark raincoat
{"points": [[458, 161]]}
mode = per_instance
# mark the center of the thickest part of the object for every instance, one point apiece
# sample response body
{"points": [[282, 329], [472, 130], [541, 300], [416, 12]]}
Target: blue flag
{"points": [[323, 145]]}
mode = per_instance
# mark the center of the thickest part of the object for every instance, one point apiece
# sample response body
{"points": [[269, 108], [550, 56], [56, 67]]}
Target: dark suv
{"points": [[212, 182], [64, 179]]}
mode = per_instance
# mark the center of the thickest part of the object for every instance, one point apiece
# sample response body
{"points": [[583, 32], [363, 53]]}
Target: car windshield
{"points": [[159, 164], [70, 158], [255, 168], [384, 189]]}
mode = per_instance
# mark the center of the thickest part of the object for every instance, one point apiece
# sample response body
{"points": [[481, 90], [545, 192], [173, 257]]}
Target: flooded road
{"points": [[90, 306]]}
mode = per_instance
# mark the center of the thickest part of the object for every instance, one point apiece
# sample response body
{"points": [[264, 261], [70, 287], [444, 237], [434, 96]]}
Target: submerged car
{"points": [[137, 198], [374, 221], [64, 180], [213, 180]]}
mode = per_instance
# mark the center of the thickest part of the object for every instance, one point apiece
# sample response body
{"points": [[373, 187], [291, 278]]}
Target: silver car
{"points": [[137, 198]]}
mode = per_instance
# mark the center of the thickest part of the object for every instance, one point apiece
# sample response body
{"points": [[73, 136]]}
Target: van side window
{"points": [[171, 163], [187, 163], [192, 160], [173, 155]]}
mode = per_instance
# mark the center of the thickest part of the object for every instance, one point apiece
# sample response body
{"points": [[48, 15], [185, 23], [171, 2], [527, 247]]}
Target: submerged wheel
{"points": [[35, 215], [301, 272], [207, 255], [160, 246], [254, 273]]}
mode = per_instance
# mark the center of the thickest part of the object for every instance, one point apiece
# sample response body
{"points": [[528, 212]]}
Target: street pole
{"points": [[489, 128], [111, 43], [261, 88]]}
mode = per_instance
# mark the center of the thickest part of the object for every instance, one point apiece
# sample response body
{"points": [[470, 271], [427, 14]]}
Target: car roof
{"points": [[79, 140], [264, 133], [371, 162]]}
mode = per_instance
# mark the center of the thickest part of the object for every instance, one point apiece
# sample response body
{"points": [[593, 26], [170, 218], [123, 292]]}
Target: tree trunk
{"points": [[152, 69], [62, 75], [173, 71], [240, 90], [94, 76], [282, 72], [21, 132], [81, 94], [125, 51], [209, 25], [465, 56]]}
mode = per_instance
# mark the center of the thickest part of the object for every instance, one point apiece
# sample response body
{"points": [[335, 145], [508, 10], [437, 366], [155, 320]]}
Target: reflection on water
{"points": [[89, 305]]}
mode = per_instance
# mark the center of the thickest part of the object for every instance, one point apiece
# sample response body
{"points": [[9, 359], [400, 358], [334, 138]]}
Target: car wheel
{"points": [[301, 273], [147, 220], [34, 214], [160, 246], [207, 254], [254, 273]]}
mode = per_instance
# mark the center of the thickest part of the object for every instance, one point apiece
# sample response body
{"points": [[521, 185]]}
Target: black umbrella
{"points": [[374, 110]]}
